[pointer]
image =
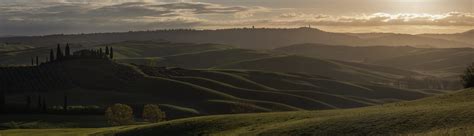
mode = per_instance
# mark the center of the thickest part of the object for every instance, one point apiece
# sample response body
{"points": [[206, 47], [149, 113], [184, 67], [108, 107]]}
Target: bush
{"points": [[468, 77], [153, 113], [119, 114]]}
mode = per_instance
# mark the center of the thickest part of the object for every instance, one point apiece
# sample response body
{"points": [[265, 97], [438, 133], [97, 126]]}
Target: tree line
{"points": [[60, 55]]}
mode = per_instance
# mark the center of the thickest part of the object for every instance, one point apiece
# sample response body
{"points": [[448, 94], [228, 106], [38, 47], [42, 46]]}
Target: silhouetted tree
{"points": [[107, 51], [44, 104], [39, 102], [59, 53], [111, 53], [101, 53], [51, 55], [32, 62], [67, 50], [28, 102], [37, 61], [468, 77], [2, 99], [65, 103]]}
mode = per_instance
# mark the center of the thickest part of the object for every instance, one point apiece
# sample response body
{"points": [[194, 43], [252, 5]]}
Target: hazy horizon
{"points": [[43, 17]]}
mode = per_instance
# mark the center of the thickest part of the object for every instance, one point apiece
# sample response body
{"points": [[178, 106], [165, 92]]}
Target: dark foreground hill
{"points": [[450, 114], [190, 92]]}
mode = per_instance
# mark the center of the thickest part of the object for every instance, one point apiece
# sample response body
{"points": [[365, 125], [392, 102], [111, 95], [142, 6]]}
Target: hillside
{"points": [[203, 56], [441, 115], [465, 37], [127, 51], [450, 114], [102, 82], [440, 62], [328, 68], [261, 38], [414, 40], [209, 59]]}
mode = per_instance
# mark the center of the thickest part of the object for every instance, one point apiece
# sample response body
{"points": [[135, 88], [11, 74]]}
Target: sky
{"points": [[42, 17]]}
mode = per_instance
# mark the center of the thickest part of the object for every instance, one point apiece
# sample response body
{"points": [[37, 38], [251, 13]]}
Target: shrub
{"points": [[119, 114], [468, 77], [153, 113]]}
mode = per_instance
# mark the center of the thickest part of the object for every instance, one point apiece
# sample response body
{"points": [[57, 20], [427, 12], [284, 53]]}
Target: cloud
{"points": [[26, 17], [377, 19], [130, 14]]}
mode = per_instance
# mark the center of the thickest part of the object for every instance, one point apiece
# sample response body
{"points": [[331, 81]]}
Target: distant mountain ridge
{"points": [[261, 38]]}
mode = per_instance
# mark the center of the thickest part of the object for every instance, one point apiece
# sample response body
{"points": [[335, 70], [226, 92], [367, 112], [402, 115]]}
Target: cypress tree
{"points": [[67, 50], [44, 104], [65, 103], [59, 53], [107, 52], [51, 55], [37, 61], [28, 102], [111, 53], [39, 102], [2, 100], [32, 62], [101, 53], [4, 86]]}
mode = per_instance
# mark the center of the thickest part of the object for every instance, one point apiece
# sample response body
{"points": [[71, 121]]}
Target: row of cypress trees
{"points": [[109, 52]]}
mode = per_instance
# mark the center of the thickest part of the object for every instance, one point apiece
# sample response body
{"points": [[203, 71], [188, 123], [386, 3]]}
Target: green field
{"points": [[450, 114]]}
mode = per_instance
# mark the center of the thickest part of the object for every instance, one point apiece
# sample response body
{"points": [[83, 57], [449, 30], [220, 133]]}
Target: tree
{"points": [[44, 105], [39, 102], [153, 113], [468, 77], [59, 53], [32, 62], [119, 114], [2, 99], [101, 52], [28, 102], [67, 51], [37, 61], [107, 51], [111, 53], [51, 55], [65, 103]]}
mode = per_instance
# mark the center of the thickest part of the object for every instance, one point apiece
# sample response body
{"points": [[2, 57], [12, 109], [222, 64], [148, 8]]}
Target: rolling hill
{"points": [[128, 51], [450, 114], [440, 62], [323, 60], [261, 38], [328, 68], [465, 37], [103, 82]]}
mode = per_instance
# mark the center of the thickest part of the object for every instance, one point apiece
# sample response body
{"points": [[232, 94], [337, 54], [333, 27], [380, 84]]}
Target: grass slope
{"points": [[437, 115], [186, 93], [328, 68], [450, 114], [441, 62]]}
